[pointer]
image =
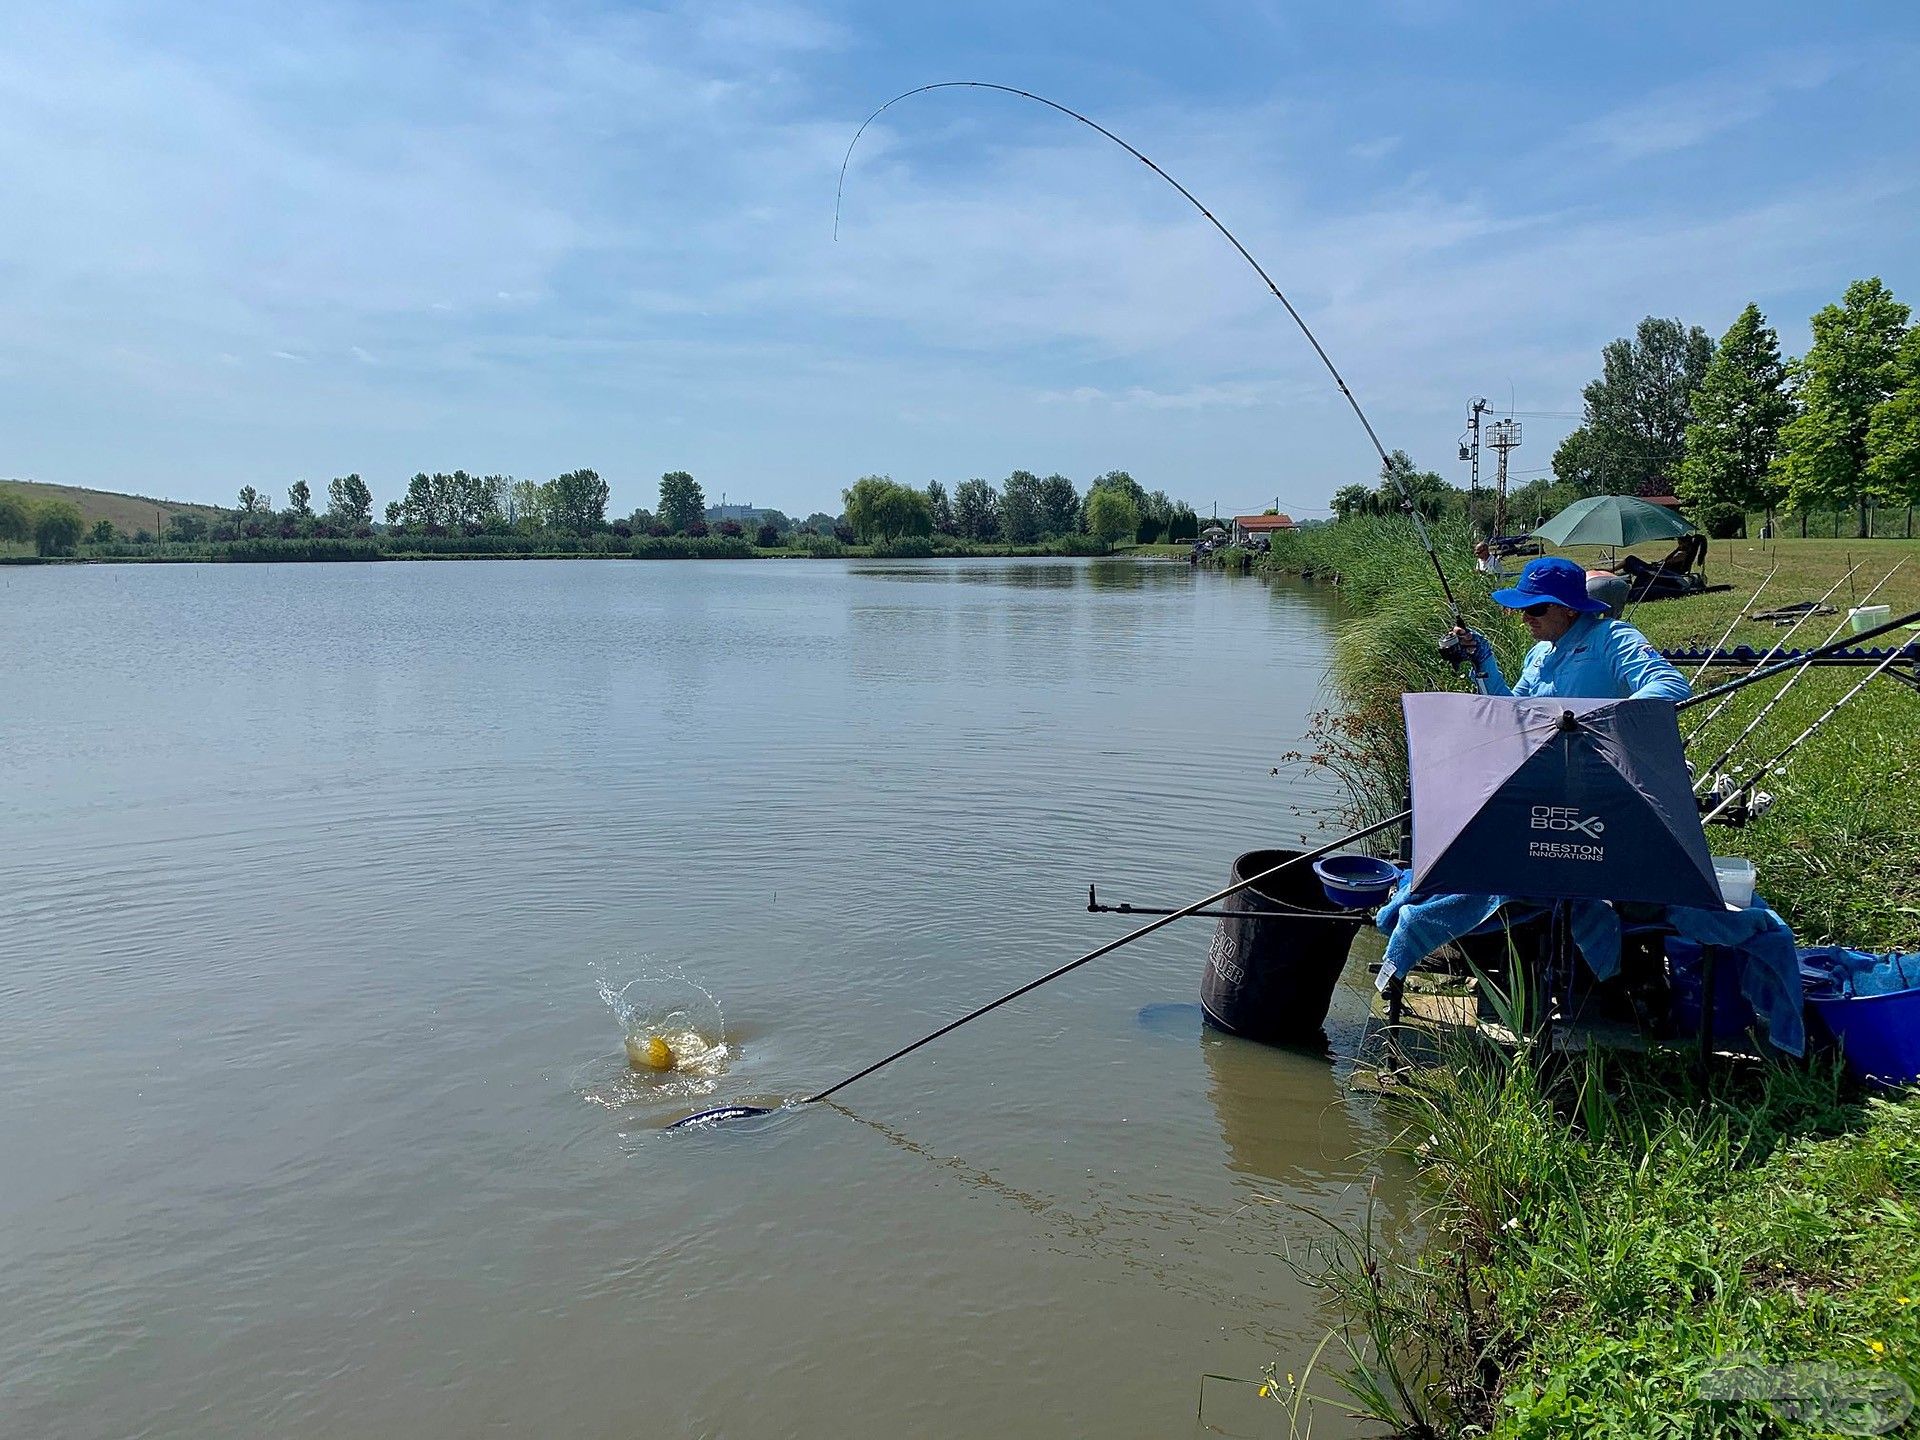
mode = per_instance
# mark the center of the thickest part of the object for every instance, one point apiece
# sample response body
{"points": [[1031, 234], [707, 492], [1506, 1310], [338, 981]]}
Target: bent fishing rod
{"points": [[1388, 471]]}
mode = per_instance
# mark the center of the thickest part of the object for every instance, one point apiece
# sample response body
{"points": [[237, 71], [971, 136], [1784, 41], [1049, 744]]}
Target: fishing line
{"points": [[1387, 470]]}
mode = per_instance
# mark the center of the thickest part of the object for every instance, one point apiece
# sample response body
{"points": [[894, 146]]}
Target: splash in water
{"points": [[673, 1038]]}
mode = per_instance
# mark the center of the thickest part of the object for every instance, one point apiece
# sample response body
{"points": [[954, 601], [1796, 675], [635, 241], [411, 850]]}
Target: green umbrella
{"points": [[1612, 520]]}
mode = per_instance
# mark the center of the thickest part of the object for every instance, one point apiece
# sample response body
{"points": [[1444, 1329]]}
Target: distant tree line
{"points": [[1734, 428], [1023, 510], [455, 505]]}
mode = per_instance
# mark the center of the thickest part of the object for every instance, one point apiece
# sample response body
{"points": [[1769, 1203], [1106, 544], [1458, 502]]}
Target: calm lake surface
{"points": [[318, 1122]]}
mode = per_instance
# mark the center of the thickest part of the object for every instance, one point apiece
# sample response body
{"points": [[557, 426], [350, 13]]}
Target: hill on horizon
{"points": [[129, 513]]}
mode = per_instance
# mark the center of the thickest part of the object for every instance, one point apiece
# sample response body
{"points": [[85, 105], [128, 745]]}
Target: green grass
{"points": [[1609, 1237]]}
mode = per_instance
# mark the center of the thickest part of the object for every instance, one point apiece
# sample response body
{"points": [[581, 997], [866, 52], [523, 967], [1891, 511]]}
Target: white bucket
{"points": [[1865, 617], [1736, 880]]}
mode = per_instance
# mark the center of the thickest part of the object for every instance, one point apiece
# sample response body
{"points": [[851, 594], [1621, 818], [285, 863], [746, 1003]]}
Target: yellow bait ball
{"points": [[653, 1053]]}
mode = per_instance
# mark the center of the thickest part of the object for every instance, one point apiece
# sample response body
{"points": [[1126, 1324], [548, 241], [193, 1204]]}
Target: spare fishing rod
{"points": [[1727, 634], [738, 1112], [1387, 470], [1806, 657], [1705, 778], [1746, 787], [1778, 645]]}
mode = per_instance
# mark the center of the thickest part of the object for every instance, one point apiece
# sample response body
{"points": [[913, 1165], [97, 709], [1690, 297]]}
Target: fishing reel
{"points": [[1457, 650]]}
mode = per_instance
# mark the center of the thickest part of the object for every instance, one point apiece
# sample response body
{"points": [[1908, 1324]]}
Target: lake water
{"points": [[317, 1122]]}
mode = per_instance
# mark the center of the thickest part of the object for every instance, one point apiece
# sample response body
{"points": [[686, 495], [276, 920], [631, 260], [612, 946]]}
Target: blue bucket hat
{"points": [[1551, 578]]}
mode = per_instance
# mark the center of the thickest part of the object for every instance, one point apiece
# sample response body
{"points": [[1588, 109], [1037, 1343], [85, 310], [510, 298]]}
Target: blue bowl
{"points": [[1356, 882]]}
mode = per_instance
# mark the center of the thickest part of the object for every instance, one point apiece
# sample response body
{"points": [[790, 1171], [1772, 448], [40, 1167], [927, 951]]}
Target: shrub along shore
{"points": [[1618, 1245]]}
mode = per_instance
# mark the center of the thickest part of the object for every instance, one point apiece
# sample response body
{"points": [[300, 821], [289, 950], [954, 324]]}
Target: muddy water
{"points": [[311, 882]]}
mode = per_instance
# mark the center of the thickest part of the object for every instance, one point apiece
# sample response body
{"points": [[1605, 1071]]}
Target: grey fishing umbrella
{"points": [[1612, 520], [1548, 799]]}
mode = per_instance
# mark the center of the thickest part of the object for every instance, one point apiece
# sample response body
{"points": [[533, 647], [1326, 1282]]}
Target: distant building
{"points": [[1245, 527], [744, 514]]}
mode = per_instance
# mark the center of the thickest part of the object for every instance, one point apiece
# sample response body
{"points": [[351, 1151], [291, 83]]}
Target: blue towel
{"points": [[1415, 928], [1863, 972], [1759, 942]]}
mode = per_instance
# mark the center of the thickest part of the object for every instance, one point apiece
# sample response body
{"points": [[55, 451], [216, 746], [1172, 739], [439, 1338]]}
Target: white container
{"points": [[1865, 617], [1736, 880]]}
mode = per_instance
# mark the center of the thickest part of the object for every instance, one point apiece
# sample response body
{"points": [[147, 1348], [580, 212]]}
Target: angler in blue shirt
{"points": [[1581, 653]]}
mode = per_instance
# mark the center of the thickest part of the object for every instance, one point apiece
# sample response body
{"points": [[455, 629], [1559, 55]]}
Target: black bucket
{"points": [[1272, 980]]}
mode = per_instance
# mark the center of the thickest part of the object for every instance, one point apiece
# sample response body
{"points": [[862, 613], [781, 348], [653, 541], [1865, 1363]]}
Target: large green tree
{"points": [[349, 501], [526, 504], [1737, 413], [1059, 506], [976, 510], [1847, 373], [1893, 435], [1123, 483], [1020, 509], [1636, 414], [1352, 500], [422, 507], [57, 526], [579, 502], [941, 508], [16, 516], [681, 502], [1111, 515], [880, 509], [300, 498], [1431, 496]]}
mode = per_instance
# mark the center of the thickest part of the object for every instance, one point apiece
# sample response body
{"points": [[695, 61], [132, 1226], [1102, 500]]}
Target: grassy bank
{"points": [[1619, 1249], [1615, 1245]]}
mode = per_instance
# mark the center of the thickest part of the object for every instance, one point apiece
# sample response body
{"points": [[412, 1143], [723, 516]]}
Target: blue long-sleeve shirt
{"points": [[1597, 659]]}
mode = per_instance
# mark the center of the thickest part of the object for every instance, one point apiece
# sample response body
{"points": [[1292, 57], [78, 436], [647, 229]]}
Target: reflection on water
{"points": [[1284, 1117]]}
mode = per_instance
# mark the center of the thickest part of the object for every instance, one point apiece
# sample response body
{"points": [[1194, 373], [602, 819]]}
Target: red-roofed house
{"points": [[1245, 527]]}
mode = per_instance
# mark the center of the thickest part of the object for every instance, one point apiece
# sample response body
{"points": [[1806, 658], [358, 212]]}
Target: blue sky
{"points": [[250, 244]]}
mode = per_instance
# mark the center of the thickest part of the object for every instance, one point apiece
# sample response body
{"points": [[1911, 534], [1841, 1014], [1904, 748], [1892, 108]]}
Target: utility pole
{"points": [[1502, 435], [1470, 450]]}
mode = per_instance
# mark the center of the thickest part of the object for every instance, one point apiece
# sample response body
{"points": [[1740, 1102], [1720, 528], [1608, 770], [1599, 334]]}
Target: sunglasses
{"points": [[1536, 611]]}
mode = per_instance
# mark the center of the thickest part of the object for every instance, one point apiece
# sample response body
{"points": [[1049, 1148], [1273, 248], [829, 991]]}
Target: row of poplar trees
{"points": [[1736, 428]]}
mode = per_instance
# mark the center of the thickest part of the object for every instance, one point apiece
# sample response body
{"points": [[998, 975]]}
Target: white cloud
{"points": [[1680, 117]]}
